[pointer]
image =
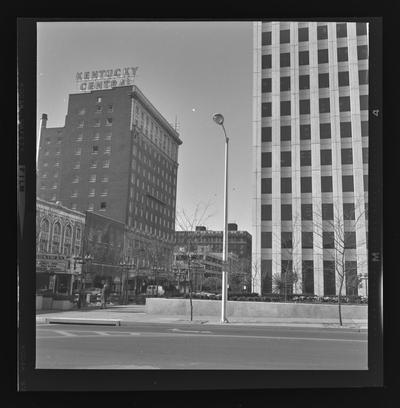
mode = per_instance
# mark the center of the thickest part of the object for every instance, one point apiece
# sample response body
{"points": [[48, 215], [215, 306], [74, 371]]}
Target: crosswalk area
{"points": [[48, 333]]}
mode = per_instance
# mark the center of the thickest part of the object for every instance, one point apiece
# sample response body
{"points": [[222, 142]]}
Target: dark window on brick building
{"points": [[363, 77], [329, 278], [322, 32], [266, 212], [344, 103], [285, 108], [304, 58], [341, 30], [266, 109], [303, 34], [307, 269], [342, 54], [327, 212], [305, 157], [323, 80], [363, 102], [324, 105], [284, 36], [285, 60], [364, 128], [361, 28], [328, 239], [304, 82], [266, 37], [344, 78], [365, 155], [350, 240], [266, 239], [266, 85], [286, 239], [323, 57], [347, 183], [307, 240], [326, 184], [362, 52], [347, 156], [345, 129], [304, 106], [285, 84], [349, 211]]}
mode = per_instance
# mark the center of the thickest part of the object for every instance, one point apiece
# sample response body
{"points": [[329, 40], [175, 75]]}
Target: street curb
{"points": [[80, 320]]}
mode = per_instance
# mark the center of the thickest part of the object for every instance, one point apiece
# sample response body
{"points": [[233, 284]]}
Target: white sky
{"points": [[186, 69]]}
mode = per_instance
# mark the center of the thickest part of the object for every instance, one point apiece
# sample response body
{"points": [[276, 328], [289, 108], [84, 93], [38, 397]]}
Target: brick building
{"points": [[116, 155]]}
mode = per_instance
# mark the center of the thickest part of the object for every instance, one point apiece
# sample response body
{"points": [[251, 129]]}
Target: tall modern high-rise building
{"points": [[310, 155], [115, 155]]}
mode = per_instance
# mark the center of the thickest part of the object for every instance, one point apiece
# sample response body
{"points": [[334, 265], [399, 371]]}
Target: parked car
{"points": [[153, 291]]}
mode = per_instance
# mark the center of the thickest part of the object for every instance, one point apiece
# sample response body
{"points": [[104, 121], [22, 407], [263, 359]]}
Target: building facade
{"points": [[59, 239], [310, 155], [116, 155]]}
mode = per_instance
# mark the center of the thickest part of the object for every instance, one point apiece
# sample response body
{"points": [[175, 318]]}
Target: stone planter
{"points": [[39, 302], [47, 303], [62, 304]]}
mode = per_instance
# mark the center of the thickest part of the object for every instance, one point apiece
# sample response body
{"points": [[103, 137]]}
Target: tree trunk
{"points": [[190, 297], [339, 303]]}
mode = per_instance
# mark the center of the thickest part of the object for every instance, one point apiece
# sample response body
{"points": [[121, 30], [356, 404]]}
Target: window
{"points": [[266, 212], [304, 81], [326, 184], [285, 133], [266, 85], [108, 136], [327, 212], [326, 157], [98, 99], [365, 182], [93, 164], [344, 103], [103, 205], [110, 108], [345, 129], [349, 211], [266, 159], [79, 138], [347, 183], [266, 186], [363, 77], [362, 52], [266, 109], [109, 122], [56, 239], [285, 60], [266, 134], [104, 179], [74, 194], [303, 34], [361, 28], [347, 156], [284, 36], [78, 151], [81, 124], [286, 185], [323, 81], [349, 240], [364, 128], [304, 58], [305, 132], [307, 269], [286, 212], [328, 239], [96, 123], [306, 184], [365, 155], [107, 150], [363, 102], [324, 105], [285, 84], [304, 106], [325, 130], [77, 165], [350, 270], [95, 149], [266, 61], [322, 32], [96, 136], [99, 108], [286, 239], [341, 30], [323, 56], [266, 239], [106, 164], [344, 78], [75, 179], [307, 240], [92, 192], [92, 178], [306, 212], [329, 278], [342, 54], [266, 38], [305, 158], [286, 159], [285, 108]]}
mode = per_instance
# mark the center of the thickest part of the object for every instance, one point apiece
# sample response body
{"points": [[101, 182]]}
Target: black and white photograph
{"points": [[202, 195]]}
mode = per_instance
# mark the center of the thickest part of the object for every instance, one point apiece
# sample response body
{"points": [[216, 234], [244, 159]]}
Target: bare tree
{"points": [[187, 223], [338, 236]]}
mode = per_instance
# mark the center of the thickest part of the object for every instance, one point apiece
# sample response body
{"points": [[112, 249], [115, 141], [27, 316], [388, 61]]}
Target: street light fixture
{"points": [[219, 120]]}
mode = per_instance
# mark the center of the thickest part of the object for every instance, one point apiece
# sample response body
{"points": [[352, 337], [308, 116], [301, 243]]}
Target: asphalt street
{"points": [[179, 346]]}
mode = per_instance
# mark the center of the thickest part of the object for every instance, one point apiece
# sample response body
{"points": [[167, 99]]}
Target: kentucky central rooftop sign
{"points": [[105, 78]]}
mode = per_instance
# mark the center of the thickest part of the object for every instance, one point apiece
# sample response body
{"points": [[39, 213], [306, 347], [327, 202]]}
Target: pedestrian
{"points": [[103, 296]]}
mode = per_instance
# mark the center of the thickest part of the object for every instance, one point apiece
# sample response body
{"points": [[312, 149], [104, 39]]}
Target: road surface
{"points": [[197, 346]]}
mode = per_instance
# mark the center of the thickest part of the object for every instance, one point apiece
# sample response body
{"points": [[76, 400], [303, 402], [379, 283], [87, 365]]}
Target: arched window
{"points": [[77, 247], [67, 240], [56, 240], [44, 235]]}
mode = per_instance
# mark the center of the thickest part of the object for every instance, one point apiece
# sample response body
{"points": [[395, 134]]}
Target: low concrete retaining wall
{"points": [[39, 302], [159, 306]]}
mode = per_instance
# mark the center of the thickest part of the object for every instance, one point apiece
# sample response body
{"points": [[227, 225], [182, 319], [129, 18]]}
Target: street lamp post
{"points": [[219, 120], [125, 266]]}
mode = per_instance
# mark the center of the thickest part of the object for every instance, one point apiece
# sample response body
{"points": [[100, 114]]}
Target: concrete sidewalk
{"points": [[127, 315]]}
